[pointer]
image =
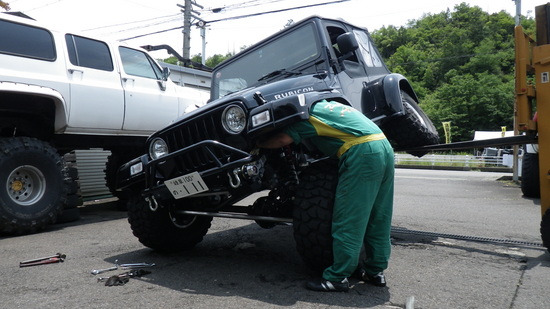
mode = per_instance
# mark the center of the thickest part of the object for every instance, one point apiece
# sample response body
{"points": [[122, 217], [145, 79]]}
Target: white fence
{"points": [[458, 161]]}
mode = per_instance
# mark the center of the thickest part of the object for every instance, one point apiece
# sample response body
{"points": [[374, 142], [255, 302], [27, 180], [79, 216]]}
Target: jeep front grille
{"points": [[201, 128]]}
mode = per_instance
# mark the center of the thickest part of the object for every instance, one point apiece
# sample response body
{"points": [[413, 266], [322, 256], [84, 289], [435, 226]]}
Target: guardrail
{"points": [[462, 162]]}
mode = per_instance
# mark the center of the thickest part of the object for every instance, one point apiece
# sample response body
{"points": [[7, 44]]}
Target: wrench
{"points": [[135, 265], [99, 271], [122, 266]]}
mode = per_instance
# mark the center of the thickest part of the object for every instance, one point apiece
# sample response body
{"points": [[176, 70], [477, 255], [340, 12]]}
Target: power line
{"points": [[156, 32], [275, 11], [135, 22], [238, 17]]}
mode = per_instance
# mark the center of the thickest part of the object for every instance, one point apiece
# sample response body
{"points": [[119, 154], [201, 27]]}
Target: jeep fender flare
{"points": [[61, 106], [393, 85]]}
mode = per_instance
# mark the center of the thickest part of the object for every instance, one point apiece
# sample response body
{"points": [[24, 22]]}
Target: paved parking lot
{"points": [[240, 265]]}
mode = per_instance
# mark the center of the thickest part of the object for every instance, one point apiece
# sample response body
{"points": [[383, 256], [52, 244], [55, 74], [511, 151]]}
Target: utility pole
{"points": [[518, 11], [515, 163], [187, 10]]}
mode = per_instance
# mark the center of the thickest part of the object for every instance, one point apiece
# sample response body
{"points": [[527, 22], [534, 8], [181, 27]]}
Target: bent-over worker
{"points": [[363, 201]]}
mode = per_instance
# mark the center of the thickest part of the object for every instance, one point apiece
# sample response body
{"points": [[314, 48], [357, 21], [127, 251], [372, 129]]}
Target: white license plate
{"points": [[186, 185]]}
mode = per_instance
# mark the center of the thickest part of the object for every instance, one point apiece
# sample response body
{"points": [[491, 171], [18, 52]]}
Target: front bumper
{"points": [[219, 160]]}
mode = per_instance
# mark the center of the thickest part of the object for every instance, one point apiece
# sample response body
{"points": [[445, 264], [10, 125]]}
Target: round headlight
{"points": [[158, 148], [234, 119]]}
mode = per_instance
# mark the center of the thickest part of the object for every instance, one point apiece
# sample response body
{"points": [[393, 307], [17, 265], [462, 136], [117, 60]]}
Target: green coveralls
{"points": [[364, 195]]}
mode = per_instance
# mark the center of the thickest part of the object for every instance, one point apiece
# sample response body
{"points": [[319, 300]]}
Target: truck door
{"points": [[363, 67], [97, 98], [151, 102]]}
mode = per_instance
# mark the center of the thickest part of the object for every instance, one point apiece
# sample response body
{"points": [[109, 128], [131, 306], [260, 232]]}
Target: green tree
{"points": [[471, 102], [461, 64], [210, 62], [4, 5]]}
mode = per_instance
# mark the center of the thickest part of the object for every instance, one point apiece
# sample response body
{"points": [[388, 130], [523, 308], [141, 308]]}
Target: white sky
{"points": [[121, 19]]}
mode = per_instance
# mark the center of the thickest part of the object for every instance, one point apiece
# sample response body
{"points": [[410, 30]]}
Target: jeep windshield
{"points": [[294, 53]]}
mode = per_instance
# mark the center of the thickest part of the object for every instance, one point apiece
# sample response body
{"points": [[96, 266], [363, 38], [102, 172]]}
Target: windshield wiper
{"points": [[279, 72]]}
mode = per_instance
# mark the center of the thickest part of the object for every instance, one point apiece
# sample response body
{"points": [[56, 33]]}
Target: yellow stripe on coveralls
{"points": [[349, 140], [359, 140]]}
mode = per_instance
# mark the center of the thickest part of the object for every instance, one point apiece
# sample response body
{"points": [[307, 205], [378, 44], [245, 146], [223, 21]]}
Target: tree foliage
{"points": [[4, 5], [210, 62], [461, 64]]}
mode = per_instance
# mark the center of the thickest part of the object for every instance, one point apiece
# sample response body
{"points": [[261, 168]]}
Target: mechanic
{"points": [[363, 203]]}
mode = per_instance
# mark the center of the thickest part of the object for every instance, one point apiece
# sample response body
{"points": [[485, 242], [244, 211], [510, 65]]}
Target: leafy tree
{"points": [[210, 62], [461, 64], [4, 5]]}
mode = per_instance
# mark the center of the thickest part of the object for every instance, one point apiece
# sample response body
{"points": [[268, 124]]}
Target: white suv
{"points": [[61, 91]]}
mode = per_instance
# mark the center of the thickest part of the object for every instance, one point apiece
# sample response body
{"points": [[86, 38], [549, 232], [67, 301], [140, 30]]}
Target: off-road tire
{"points": [[313, 205], [71, 212], [413, 129], [33, 190], [530, 181], [545, 230], [156, 230]]}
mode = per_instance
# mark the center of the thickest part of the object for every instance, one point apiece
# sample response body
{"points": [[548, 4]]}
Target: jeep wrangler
{"points": [[201, 165]]}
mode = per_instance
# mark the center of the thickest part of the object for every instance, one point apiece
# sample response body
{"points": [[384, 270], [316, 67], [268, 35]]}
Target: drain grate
{"points": [[466, 237]]}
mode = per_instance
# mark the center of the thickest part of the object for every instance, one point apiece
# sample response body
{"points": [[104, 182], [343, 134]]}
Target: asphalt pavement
{"points": [[461, 240]]}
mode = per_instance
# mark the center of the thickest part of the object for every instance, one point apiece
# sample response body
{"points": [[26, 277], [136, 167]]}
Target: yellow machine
{"points": [[533, 89]]}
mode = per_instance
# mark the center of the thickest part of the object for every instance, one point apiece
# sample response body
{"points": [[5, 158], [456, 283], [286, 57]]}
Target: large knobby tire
{"points": [[71, 212], [162, 231], [314, 201], [33, 190], [545, 230], [413, 129], [530, 181]]}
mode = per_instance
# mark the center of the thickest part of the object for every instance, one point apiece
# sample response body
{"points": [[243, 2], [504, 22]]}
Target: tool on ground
{"points": [[123, 278], [57, 258], [122, 266]]}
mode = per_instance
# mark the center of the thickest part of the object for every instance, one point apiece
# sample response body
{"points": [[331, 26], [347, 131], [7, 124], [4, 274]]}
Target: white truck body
{"points": [[61, 91]]}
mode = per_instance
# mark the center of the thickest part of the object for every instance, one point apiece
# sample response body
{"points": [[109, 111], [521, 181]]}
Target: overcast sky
{"points": [[123, 19]]}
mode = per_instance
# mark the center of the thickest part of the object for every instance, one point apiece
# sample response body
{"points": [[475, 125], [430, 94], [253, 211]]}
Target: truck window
{"points": [[367, 50], [296, 50], [137, 63], [26, 41], [89, 53]]}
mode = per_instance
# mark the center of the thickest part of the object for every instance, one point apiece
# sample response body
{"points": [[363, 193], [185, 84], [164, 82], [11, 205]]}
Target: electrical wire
{"points": [[135, 22], [242, 16], [275, 11]]}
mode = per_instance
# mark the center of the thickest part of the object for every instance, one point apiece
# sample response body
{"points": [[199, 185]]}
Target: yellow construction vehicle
{"points": [[533, 91]]}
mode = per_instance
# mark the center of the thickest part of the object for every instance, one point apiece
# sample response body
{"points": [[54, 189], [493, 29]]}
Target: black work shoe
{"points": [[328, 286], [377, 279]]}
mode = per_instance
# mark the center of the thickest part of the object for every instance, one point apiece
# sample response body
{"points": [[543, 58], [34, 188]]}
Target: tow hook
{"points": [[153, 205], [237, 182]]}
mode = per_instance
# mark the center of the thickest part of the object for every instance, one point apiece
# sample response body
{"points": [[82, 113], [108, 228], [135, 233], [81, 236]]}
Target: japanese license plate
{"points": [[186, 185]]}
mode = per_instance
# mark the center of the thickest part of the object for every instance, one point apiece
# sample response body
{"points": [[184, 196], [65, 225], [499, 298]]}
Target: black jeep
{"points": [[199, 166]]}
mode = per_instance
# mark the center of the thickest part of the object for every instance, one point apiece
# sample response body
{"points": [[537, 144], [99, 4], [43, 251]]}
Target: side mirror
{"points": [[347, 44], [165, 73]]}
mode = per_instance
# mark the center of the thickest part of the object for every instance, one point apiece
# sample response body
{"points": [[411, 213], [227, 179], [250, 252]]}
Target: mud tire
{"points": [[414, 129], [33, 191], [157, 230], [545, 230], [313, 205], [530, 181]]}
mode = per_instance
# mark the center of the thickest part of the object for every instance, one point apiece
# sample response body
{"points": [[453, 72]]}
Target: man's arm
{"points": [[280, 140]]}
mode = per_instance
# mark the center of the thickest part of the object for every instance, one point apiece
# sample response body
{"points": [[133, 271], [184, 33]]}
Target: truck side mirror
{"points": [[165, 73], [347, 44]]}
